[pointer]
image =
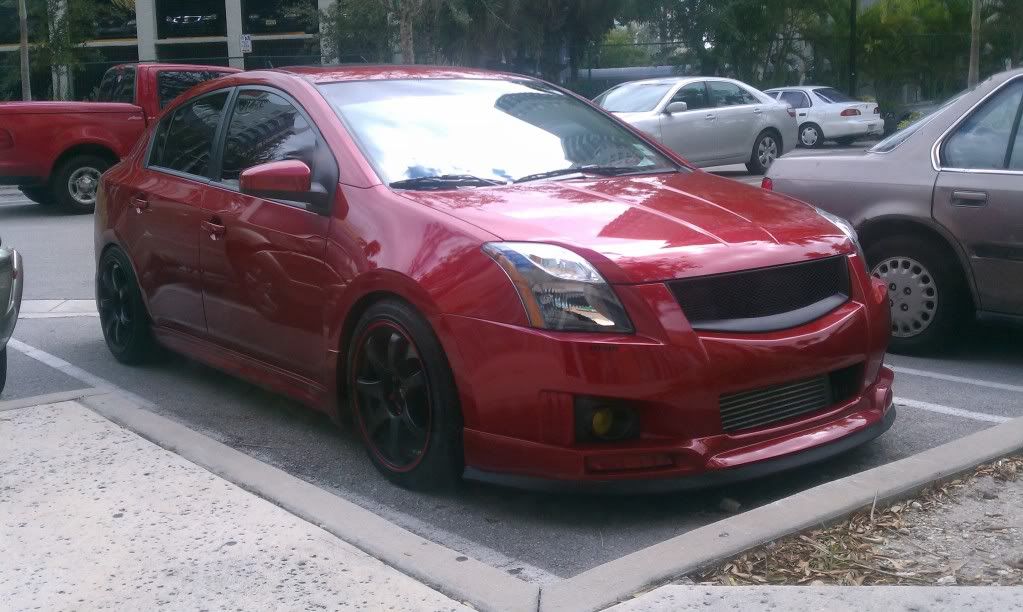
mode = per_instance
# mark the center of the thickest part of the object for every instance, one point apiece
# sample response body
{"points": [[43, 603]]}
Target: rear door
{"points": [[979, 196], [263, 269], [162, 231], [691, 133], [737, 119], [799, 101]]}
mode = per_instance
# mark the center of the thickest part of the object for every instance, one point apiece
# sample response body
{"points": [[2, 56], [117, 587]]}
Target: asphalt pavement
{"points": [[538, 537]]}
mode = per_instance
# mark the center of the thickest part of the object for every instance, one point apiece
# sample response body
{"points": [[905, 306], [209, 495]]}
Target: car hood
{"points": [[649, 228]]}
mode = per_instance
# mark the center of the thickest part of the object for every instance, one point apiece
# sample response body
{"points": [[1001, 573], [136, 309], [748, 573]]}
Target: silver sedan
{"points": [[939, 211], [708, 120], [12, 279]]}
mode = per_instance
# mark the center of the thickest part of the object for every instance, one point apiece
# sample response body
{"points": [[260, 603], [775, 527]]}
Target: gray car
{"points": [[12, 278], [939, 211], [708, 120]]}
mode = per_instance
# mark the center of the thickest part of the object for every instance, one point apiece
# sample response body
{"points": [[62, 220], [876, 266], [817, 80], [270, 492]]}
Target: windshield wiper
{"points": [[593, 169], [446, 181]]}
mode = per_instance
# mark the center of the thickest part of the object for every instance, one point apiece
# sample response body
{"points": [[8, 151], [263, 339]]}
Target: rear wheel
{"points": [[76, 182], [810, 135], [766, 149], [403, 398], [927, 294], [122, 313]]}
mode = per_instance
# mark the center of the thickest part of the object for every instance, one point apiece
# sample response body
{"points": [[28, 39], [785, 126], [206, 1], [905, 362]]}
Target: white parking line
{"points": [[958, 412], [959, 379], [75, 372]]}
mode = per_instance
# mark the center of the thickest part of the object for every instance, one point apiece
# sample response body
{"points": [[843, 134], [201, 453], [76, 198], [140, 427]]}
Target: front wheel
{"points": [[766, 149], [928, 297], [76, 182], [403, 398]]}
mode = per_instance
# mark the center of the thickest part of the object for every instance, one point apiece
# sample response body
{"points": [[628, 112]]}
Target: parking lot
{"points": [[539, 537]]}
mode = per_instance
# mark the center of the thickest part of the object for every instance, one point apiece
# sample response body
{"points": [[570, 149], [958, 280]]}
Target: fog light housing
{"points": [[599, 420]]}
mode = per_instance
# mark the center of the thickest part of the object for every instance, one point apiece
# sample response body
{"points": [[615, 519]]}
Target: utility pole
{"points": [[854, 11], [26, 74], [974, 75]]}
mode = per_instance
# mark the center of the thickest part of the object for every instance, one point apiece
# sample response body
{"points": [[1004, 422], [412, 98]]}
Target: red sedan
{"points": [[495, 278]]}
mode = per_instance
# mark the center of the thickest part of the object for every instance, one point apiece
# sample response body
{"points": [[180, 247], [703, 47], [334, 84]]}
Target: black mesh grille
{"points": [[708, 301], [758, 407]]}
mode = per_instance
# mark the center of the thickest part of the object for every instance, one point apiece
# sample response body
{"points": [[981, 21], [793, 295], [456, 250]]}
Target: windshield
{"points": [[482, 131], [633, 97], [903, 135], [830, 94]]}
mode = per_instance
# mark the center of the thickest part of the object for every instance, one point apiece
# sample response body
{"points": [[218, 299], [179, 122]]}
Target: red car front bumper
{"points": [[519, 387]]}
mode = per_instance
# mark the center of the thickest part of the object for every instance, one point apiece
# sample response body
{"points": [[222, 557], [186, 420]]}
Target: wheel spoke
{"points": [[395, 354], [373, 389], [375, 356], [413, 382], [392, 443]]}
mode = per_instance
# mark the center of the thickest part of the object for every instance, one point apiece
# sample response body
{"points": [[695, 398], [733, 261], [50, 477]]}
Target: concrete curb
{"points": [[620, 579], [456, 575], [49, 398]]}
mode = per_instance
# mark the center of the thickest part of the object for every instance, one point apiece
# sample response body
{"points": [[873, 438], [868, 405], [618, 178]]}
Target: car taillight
{"points": [[767, 184], [6, 140], [850, 112]]}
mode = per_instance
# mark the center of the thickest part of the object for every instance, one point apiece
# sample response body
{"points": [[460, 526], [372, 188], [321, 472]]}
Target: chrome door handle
{"points": [[969, 198], [757, 111], [214, 229], [710, 117]]}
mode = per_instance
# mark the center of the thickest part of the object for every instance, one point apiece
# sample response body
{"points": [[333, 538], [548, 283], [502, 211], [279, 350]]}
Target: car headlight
{"points": [[559, 289], [846, 228]]}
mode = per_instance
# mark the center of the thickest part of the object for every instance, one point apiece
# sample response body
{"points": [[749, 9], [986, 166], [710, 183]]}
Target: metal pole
{"points": [[854, 11], [26, 80]]}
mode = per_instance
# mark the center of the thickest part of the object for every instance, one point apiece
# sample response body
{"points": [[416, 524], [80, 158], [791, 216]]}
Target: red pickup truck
{"points": [[56, 151]]}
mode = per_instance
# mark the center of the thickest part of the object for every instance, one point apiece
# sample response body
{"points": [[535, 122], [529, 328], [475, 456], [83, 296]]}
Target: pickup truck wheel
{"points": [[3, 368], [39, 195], [75, 183]]}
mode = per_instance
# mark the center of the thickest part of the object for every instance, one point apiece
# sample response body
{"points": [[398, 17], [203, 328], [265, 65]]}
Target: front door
{"points": [[161, 232], [979, 196], [690, 133], [263, 271]]}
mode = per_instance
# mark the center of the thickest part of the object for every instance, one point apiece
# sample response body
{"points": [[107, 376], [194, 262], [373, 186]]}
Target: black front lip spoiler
{"points": [[688, 483]]}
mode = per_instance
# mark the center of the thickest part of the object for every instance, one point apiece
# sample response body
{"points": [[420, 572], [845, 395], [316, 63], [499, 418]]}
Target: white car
{"points": [[708, 120], [825, 113]]}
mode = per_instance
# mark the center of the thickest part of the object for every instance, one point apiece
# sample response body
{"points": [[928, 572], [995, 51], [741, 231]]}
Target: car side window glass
{"points": [[124, 89], [106, 86], [693, 94], [172, 83], [184, 140], [265, 127], [726, 94], [1016, 155], [981, 141], [795, 99]]}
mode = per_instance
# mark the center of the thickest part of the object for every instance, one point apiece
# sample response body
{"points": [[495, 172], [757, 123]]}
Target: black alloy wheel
{"points": [[122, 313]]}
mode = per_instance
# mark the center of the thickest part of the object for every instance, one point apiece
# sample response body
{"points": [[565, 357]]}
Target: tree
{"points": [[974, 44]]}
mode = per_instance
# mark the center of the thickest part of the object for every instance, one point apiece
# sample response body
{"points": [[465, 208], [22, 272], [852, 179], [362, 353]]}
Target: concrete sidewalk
{"points": [[94, 516]]}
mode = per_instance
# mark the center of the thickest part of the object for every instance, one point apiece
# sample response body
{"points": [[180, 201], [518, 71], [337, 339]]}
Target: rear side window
{"points": [[266, 127], [184, 140], [172, 83], [830, 94], [728, 94], [984, 140], [118, 85], [796, 99]]}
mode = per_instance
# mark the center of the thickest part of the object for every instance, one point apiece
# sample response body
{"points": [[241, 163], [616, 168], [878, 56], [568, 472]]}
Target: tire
{"points": [[927, 292], [3, 368], [810, 135], [39, 195], [845, 141], [75, 182], [122, 313], [766, 148], [403, 398]]}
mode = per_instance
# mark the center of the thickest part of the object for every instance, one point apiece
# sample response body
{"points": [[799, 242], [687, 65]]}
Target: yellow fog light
{"points": [[603, 421]]}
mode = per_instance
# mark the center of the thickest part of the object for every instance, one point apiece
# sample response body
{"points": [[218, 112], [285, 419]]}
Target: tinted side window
{"points": [[184, 140], [124, 90], [693, 94], [264, 128], [172, 83], [107, 85], [982, 140], [726, 94], [797, 99]]}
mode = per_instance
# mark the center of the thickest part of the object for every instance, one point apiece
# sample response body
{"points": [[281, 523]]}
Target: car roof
{"points": [[182, 67], [678, 79], [800, 88], [365, 72]]}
